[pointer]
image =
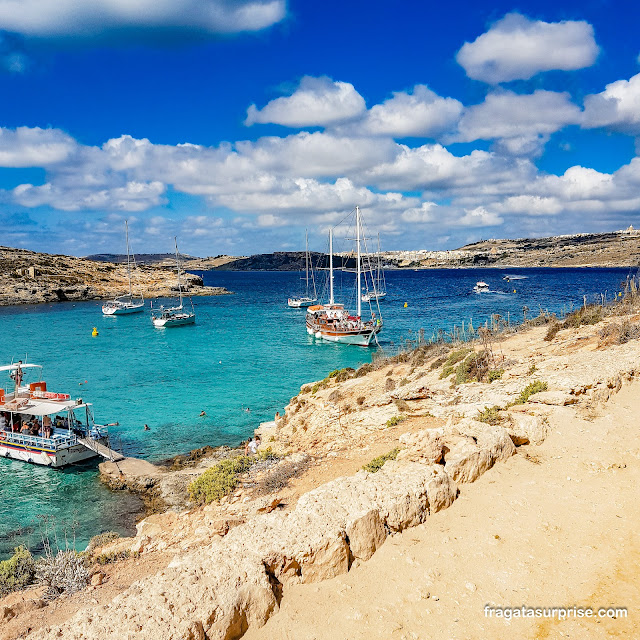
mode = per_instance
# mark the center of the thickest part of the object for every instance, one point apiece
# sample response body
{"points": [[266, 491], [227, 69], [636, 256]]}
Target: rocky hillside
{"points": [[616, 249], [27, 277], [443, 417]]}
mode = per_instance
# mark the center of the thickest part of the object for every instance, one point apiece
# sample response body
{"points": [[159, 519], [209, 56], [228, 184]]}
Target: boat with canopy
{"points": [[47, 428]]}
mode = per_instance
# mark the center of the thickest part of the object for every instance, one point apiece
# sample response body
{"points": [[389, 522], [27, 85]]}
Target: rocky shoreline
{"points": [[27, 277], [442, 417]]}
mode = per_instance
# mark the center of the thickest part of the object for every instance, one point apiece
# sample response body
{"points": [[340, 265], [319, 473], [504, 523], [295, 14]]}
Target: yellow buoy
{"points": [[514, 291], [406, 304], [94, 333]]}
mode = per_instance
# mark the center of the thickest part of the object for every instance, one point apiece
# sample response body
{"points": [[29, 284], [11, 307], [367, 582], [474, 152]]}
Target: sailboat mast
{"points": [[358, 286], [126, 232], [306, 259], [331, 301], [178, 267]]}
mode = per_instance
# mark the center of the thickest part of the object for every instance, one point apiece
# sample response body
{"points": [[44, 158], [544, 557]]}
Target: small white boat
{"points": [[125, 304], [370, 296], [306, 300], [173, 316], [46, 428], [481, 287], [297, 303]]}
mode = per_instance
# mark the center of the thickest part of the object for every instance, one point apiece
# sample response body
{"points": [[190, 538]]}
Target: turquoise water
{"points": [[247, 350]]}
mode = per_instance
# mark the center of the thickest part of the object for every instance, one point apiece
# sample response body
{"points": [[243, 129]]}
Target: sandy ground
{"points": [[555, 526]]}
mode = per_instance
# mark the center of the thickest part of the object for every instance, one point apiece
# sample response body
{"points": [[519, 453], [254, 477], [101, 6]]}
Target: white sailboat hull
{"points": [[177, 321], [299, 303], [356, 339], [369, 297], [121, 311]]}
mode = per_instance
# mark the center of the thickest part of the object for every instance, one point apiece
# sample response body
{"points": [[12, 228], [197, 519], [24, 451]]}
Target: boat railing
{"points": [[57, 442]]}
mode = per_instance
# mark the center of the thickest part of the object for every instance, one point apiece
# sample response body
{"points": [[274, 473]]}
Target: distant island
{"points": [[612, 249]]}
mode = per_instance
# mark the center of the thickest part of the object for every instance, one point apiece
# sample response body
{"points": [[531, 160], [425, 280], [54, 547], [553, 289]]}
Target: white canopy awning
{"points": [[44, 408], [13, 367]]}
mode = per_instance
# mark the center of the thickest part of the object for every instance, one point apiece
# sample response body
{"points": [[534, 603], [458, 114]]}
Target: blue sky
{"points": [[236, 124]]}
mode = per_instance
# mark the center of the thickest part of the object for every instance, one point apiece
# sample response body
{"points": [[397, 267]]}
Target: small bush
{"points": [[376, 463], [389, 384], [112, 556], [591, 314], [403, 382], [453, 359], [363, 370], [219, 480], [437, 364], [305, 389], [101, 540], [17, 572], [360, 400], [64, 572], [532, 369], [552, 331], [392, 422], [619, 333], [494, 374], [490, 415], [529, 390]]}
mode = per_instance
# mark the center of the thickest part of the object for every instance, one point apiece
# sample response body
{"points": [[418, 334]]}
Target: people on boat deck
{"points": [[3, 422]]}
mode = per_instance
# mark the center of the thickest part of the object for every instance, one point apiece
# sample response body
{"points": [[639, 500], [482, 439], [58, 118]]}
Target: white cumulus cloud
{"points": [[617, 108], [421, 113], [517, 48], [34, 147], [316, 102], [522, 122], [87, 18]]}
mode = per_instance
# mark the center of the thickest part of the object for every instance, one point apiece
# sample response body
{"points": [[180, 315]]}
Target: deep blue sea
{"points": [[247, 351]]}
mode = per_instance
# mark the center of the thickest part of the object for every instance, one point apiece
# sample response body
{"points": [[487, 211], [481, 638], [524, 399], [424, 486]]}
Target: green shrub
{"points": [[403, 382], [532, 369], [494, 374], [453, 359], [101, 540], [490, 415], [528, 391], [392, 422], [591, 314], [113, 556], [376, 463], [219, 480], [17, 572]]}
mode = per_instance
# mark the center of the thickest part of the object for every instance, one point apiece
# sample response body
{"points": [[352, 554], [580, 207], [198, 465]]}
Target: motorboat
{"points": [[481, 287]]}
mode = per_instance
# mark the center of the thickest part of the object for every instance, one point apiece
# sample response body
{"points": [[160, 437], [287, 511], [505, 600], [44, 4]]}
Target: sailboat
{"points": [[127, 303], [174, 316], [306, 300], [378, 288], [332, 322]]}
